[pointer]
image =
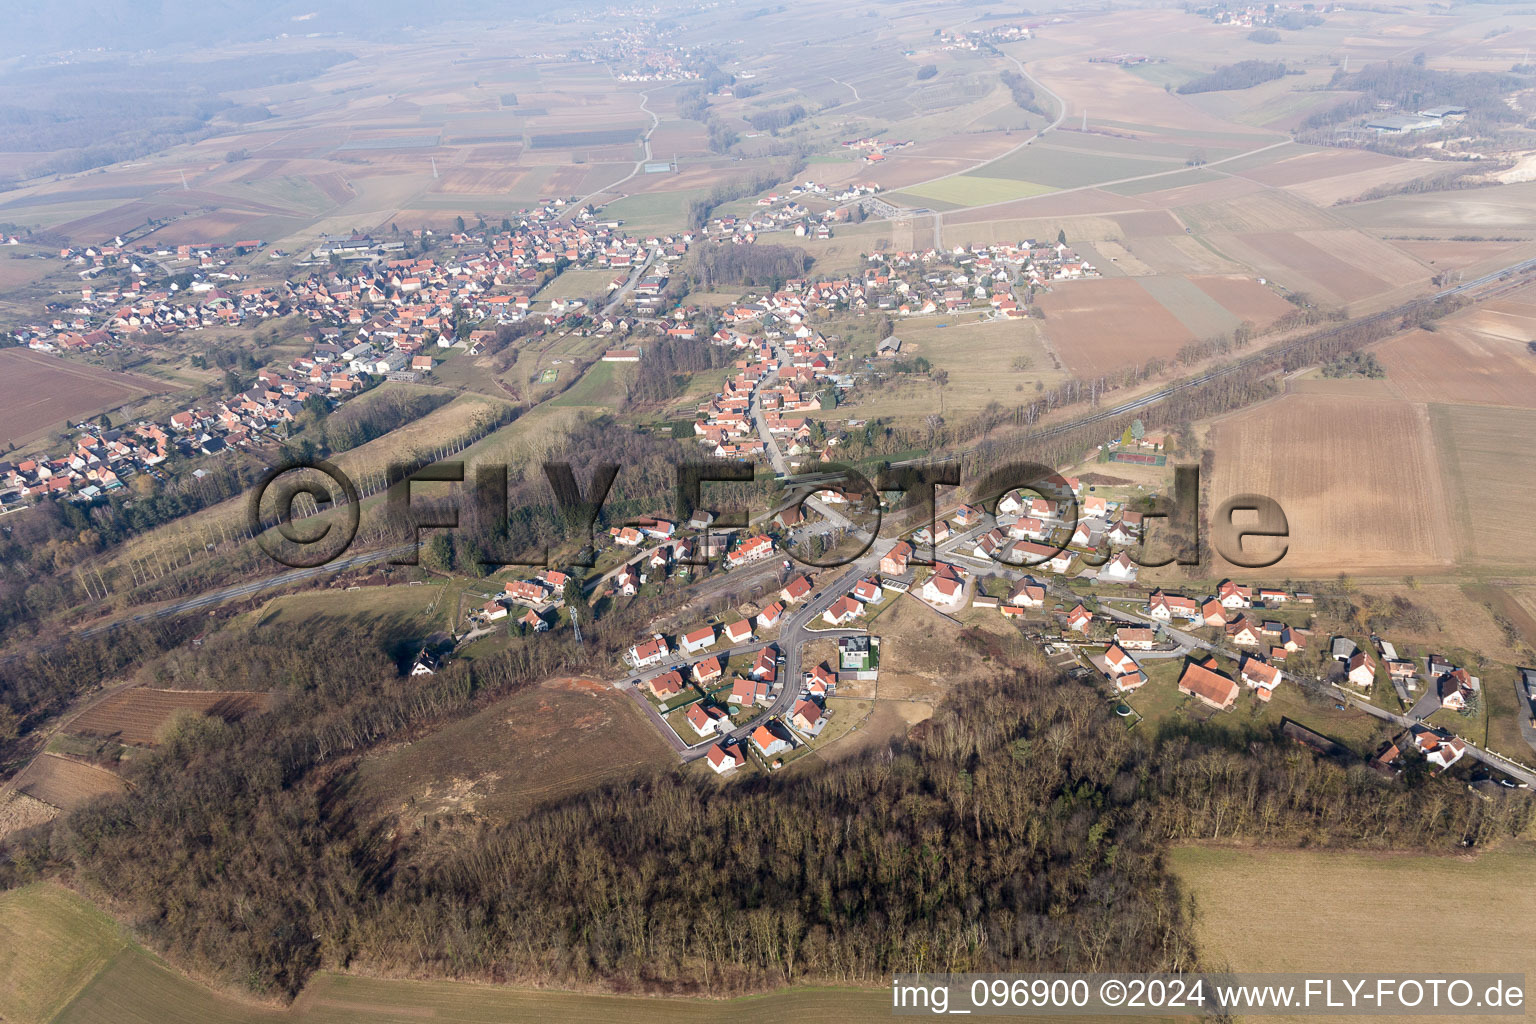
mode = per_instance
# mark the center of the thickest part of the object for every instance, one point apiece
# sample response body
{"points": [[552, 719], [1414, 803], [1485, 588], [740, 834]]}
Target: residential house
{"points": [[739, 632], [1457, 690], [868, 591], [844, 609], [895, 561], [707, 721], [808, 717], [1259, 676], [1212, 613], [1118, 661], [1167, 607], [797, 589], [1027, 594], [746, 692], [1079, 618], [1203, 681], [1242, 632], [699, 639], [1134, 638], [723, 759], [708, 670], [1362, 670], [1438, 747], [651, 652], [767, 742], [765, 668], [944, 587], [666, 685], [1119, 569], [820, 681], [770, 616]]}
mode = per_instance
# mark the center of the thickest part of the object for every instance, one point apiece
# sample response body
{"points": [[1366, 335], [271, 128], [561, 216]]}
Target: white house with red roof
{"points": [[707, 721], [699, 639], [723, 759], [739, 632], [651, 652], [844, 609]]}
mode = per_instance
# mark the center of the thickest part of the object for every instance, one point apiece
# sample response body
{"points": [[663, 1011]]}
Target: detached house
{"points": [[1205, 683], [808, 717], [652, 652], [723, 759], [699, 639], [1260, 677], [767, 743], [666, 685], [707, 721], [844, 609], [1362, 670], [1118, 661]]}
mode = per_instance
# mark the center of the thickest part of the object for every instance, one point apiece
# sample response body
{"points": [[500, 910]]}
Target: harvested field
{"points": [[1098, 326], [1303, 265], [138, 715], [1456, 255], [1311, 165], [1249, 214], [1202, 315], [1489, 464], [974, 190], [1335, 898], [539, 745], [1182, 255], [1340, 468], [1068, 168], [1069, 204], [65, 783], [16, 273], [1462, 364], [1245, 298], [986, 361], [19, 811], [39, 392]]}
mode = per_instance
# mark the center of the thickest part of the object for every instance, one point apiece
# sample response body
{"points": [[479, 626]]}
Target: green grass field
{"points": [[601, 386], [653, 209], [52, 943], [1064, 168], [424, 607], [968, 190]]}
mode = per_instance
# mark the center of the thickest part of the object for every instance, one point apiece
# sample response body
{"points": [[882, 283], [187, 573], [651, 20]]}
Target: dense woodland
{"points": [[1245, 74], [715, 265], [1020, 829]]}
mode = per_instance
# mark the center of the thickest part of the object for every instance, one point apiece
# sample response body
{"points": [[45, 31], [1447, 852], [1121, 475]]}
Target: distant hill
{"points": [[73, 25]]}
